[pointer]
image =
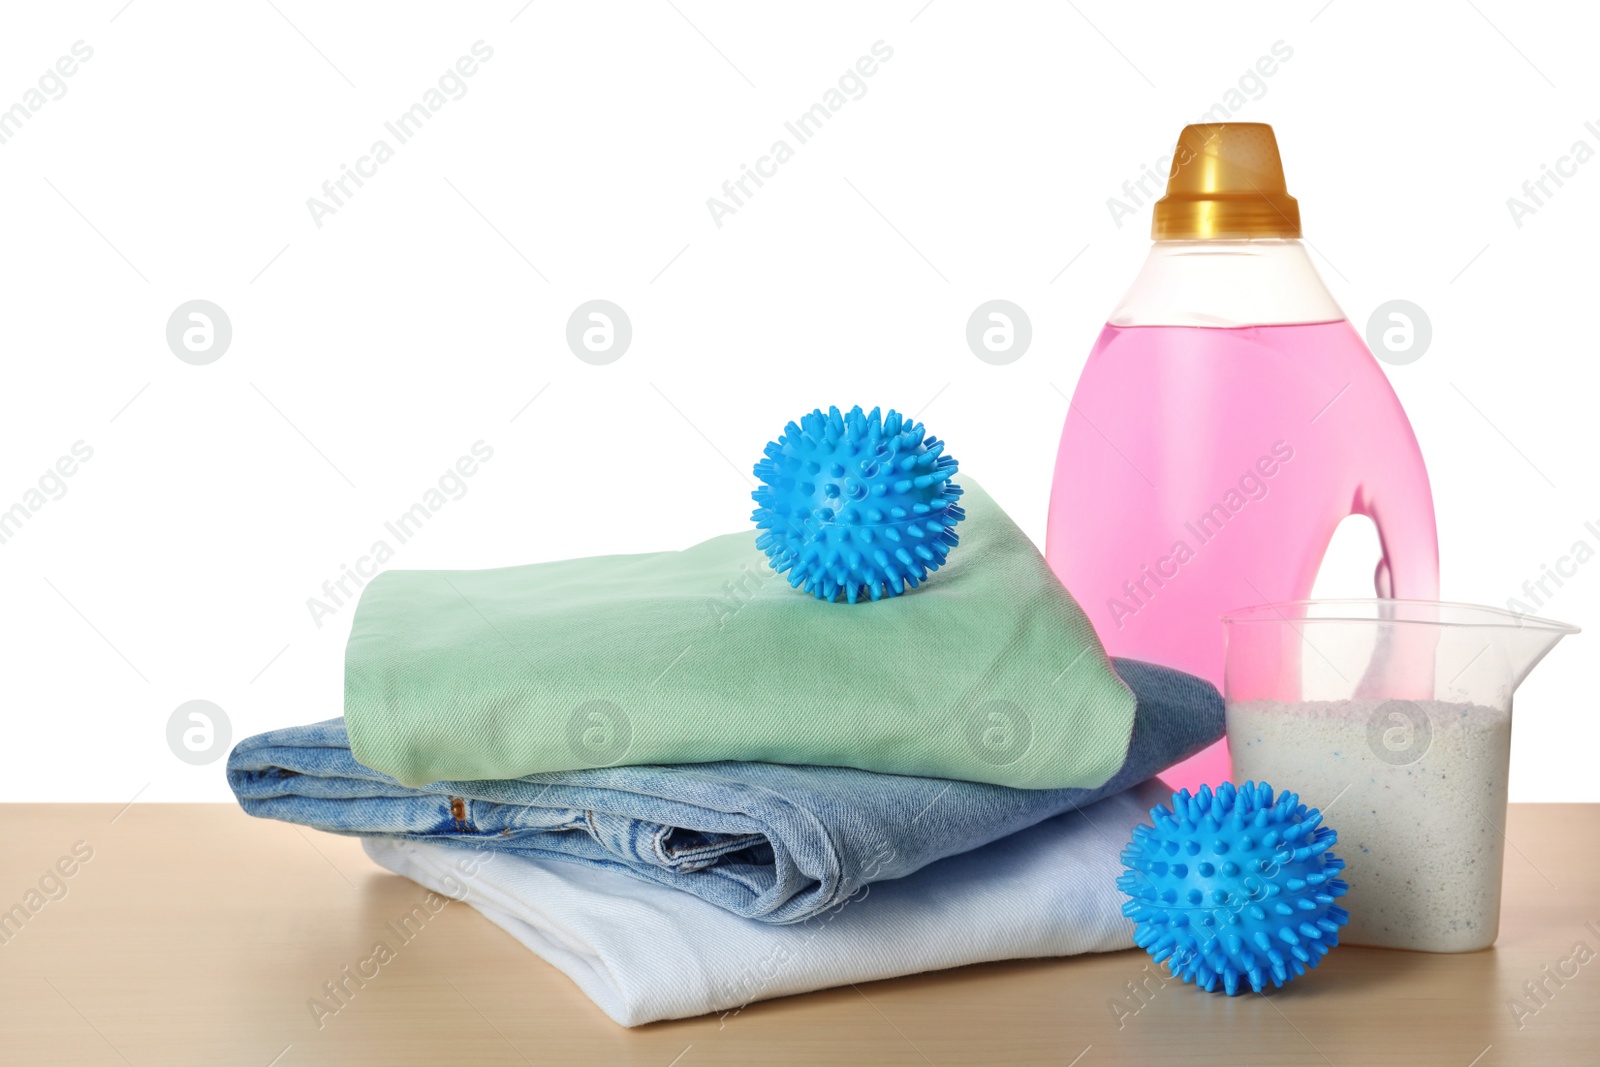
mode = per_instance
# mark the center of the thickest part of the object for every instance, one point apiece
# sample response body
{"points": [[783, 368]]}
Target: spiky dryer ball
{"points": [[856, 504], [1233, 886]]}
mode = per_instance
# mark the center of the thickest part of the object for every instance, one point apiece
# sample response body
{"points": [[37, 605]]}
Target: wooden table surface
{"points": [[193, 934]]}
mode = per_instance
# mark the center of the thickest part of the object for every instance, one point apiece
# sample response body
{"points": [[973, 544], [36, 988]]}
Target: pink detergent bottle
{"points": [[1227, 420]]}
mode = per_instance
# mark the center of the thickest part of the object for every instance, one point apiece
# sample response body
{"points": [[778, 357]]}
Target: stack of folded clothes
{"points": [[689, 787]]}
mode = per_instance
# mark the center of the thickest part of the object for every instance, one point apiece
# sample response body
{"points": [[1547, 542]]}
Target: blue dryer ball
{"points": [[856, 503], [1232, 886]]}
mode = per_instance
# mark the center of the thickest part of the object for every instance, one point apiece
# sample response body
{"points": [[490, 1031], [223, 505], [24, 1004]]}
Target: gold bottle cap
{"points": [[1226, 183]]}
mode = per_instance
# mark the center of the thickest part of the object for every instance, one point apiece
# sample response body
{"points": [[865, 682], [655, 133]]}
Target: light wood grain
{"points": [[197, 935]]}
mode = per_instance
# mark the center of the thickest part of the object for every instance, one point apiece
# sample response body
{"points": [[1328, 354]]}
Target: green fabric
{"points": [[988, 672]]}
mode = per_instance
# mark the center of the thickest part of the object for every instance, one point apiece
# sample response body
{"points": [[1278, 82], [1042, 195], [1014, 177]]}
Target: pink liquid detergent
{"points": [[1204, 467]]}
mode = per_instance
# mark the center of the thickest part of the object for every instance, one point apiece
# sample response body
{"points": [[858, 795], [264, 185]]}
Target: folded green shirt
{"points": [[988, 672]]}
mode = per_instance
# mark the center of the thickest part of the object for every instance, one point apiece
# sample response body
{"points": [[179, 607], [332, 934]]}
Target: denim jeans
{"points": [[765, 841]]}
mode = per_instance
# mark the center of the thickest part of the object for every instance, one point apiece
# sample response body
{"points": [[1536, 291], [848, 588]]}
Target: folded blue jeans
{"points": [[765, 841]]}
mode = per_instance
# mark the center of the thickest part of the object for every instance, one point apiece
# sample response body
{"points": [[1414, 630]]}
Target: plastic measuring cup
{"points": [[1394, 718]]}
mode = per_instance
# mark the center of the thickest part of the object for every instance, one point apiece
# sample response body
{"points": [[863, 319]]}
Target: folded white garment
{"points": [[643, 952]]}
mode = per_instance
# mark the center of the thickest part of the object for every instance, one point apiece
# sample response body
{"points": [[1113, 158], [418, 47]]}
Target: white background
{"points": [[369, 353]]}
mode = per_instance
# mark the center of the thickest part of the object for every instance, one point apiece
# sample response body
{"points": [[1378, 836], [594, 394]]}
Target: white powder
{"points": [[1417, 791]]}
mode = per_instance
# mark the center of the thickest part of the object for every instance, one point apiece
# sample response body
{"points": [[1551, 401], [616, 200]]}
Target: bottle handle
{"points": [[1402, 667], [1408, 568], [1383, 578]]}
